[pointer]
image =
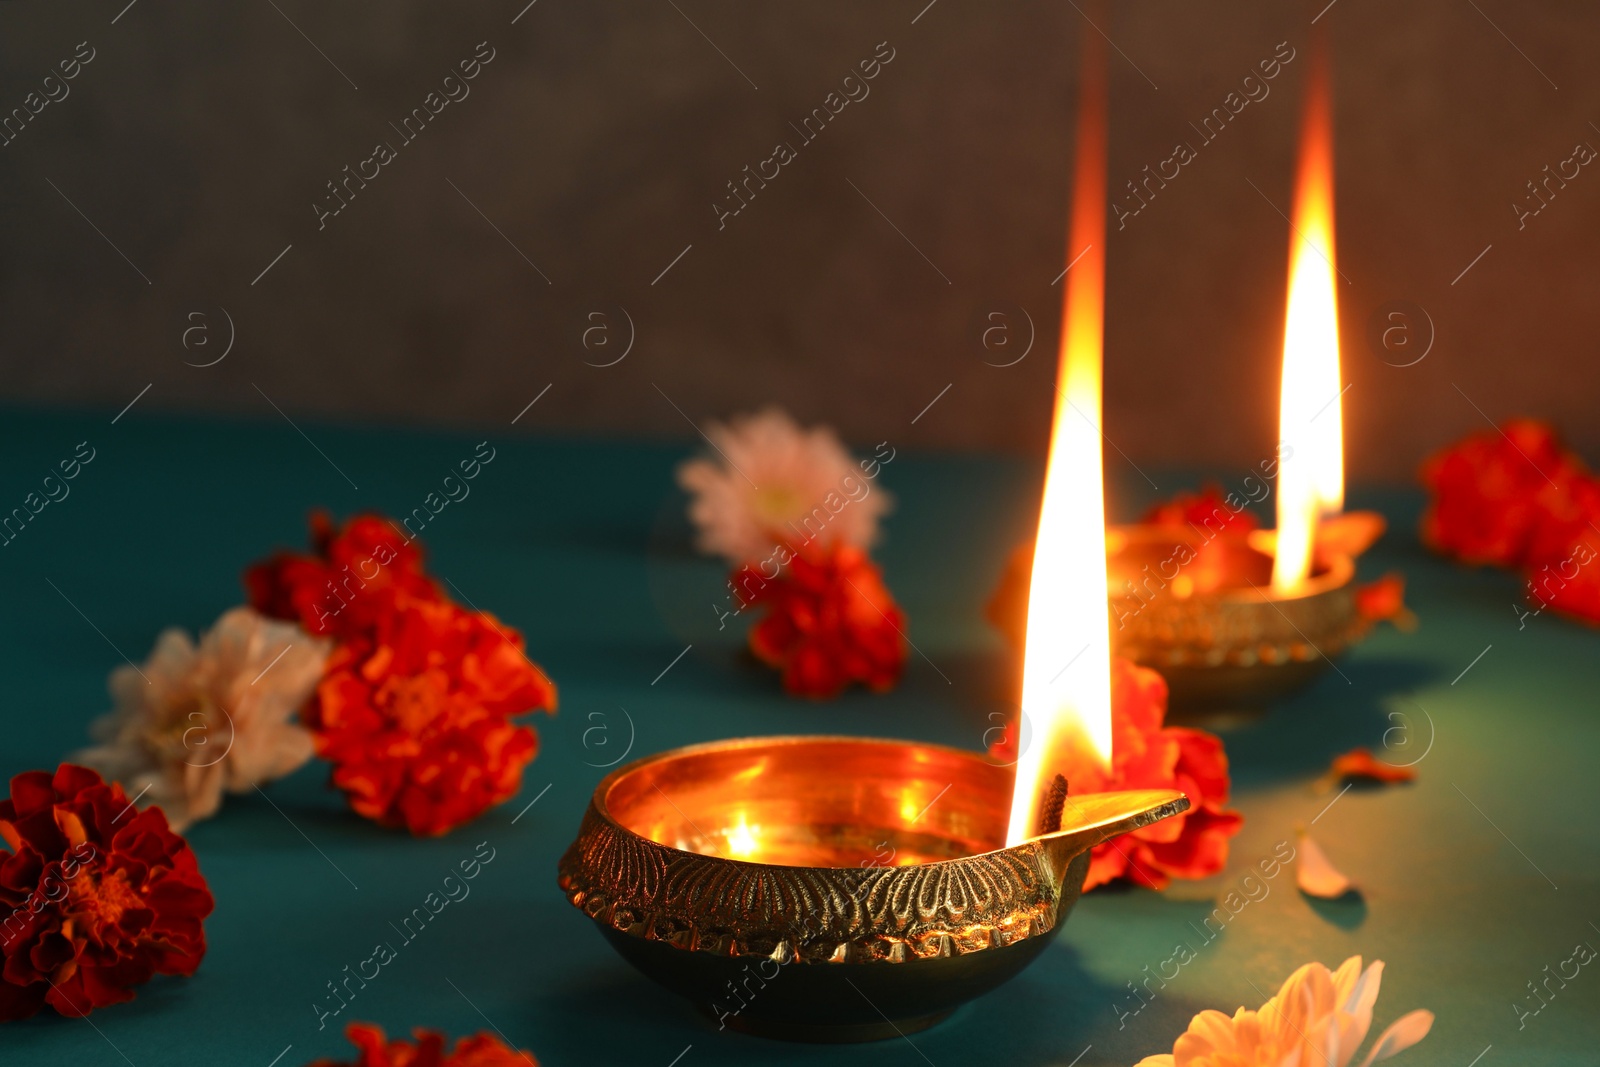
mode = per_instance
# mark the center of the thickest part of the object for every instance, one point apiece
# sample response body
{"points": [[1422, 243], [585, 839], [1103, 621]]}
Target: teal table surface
{"points": [[1474, 879]]}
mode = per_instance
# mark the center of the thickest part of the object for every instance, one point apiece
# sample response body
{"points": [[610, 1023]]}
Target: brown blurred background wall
{"points": [[565, 203]]}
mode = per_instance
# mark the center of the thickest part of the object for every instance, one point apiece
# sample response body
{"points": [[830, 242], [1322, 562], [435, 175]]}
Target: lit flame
{"points": [[1310, 412], [1069, 709]]}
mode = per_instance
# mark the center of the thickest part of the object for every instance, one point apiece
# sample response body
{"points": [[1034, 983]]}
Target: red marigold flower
{"points": [[830, 620], [1490, 491], [95, 897], [415, 715], [1206, 512], [480, 1050], [1562, 569], [354, 576], [1147, 755]]}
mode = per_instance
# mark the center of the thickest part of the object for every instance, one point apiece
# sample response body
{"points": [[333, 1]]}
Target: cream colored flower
{"points": [[770, 480], [200, 719], [1318, 1019]]}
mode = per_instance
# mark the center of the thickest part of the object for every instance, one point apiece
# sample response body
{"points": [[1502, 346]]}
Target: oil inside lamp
{"points": [[742, 843], [1070, 709]]}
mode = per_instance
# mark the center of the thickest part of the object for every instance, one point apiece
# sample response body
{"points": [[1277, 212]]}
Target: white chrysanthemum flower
{"points": [[770, 480], [200, 719], [1318, 1019]]}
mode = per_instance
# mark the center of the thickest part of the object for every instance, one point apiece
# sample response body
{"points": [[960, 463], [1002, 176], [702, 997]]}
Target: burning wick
{"points": [[1051, 805]]}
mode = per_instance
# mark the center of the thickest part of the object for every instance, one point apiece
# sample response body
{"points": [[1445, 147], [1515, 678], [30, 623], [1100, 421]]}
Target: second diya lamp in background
{"points": [[1197, 604], [1218, 630], [1234, 619], [1241, 620]]}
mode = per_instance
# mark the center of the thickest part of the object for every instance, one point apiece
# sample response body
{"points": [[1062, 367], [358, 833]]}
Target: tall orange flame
{"points": [[1068, 625], [1310, 409]]}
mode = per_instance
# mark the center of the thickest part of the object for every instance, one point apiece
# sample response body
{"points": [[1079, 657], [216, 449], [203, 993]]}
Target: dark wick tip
{"points": [[1055, 800]]}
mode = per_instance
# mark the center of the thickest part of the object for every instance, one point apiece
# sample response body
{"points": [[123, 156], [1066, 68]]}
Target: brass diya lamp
{"points": [[1235, 620], [841, 889], [831, 888], [1219, 631]]}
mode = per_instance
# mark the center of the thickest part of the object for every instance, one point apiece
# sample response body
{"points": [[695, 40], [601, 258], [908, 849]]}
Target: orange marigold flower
{"points": [[830, 620], [415, 704], [1148, 755], [376, 1050], [416, 716]]}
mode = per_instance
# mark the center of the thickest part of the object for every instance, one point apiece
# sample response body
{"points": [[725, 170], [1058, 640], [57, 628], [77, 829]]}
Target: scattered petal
{"points": [[1361, 764], [1316, 875], [1384, 600], [429, 1050]]}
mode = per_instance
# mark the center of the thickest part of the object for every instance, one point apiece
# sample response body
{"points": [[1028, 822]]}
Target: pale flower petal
{"points": [[1401, 1035], [767, 479], [1359, 1000], [203, 719], [1318, 1018], [1316, 875]]}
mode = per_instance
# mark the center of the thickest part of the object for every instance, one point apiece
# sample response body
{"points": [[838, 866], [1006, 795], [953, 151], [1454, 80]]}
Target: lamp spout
{"points": [[1091, 819]]}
